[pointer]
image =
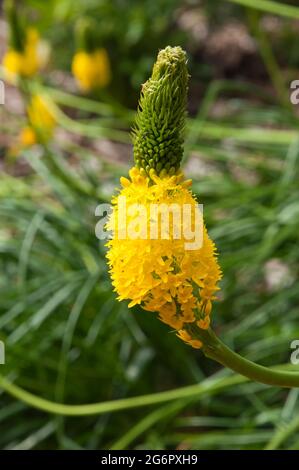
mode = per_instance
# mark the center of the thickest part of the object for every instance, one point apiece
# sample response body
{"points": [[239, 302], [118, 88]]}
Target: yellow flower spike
{"points": [[91, 69], [165, 273], [158, 273], [162, 260], [39, 114], [40, 127], [12, 63], [40, 118], [27, 62]]}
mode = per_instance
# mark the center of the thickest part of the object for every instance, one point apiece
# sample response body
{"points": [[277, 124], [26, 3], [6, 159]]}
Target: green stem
{"points": [[208, 386], [212, 348], [215, 349]]}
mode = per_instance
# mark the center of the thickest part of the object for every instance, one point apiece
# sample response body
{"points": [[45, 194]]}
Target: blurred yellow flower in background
{"points": [[27, 137], [40, 127], [25, 63], [39, 115], [91, 69]]}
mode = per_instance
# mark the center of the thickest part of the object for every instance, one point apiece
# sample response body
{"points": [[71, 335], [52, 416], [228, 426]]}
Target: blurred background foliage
{"points": [[67, 338]]}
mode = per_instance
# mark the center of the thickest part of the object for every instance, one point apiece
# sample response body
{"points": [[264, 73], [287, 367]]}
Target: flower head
{"points": [[39, 114], [41, 122], [27, 61], [40, 127], [91, 69], [91, 64], [161, 256], [165, 273]]}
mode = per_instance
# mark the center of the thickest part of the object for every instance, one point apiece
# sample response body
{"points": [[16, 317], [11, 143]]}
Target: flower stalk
{"points": [[215, 349], [162, 275]]}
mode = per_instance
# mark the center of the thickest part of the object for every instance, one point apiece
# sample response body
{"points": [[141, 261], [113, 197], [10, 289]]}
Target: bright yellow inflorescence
{"points": [[162, 274], [91, 69], [39, 114], [41, 124], [26, 63]]}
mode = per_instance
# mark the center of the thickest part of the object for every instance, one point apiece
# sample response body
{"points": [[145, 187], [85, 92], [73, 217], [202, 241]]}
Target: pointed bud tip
{"points": [[170, 60]]}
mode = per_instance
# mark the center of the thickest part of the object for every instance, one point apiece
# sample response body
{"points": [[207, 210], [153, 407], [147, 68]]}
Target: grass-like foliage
{"points": [[67, 338]]}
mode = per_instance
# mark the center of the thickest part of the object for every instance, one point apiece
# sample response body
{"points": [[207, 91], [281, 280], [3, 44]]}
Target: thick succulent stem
{"points": [[216, 350]]}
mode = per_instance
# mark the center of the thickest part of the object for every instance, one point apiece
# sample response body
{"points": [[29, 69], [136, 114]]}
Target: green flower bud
{"points": [[160, 122]]}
